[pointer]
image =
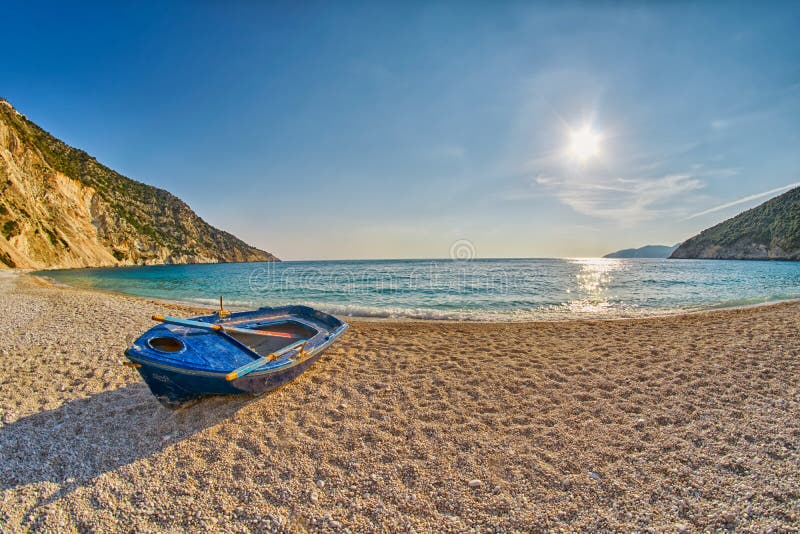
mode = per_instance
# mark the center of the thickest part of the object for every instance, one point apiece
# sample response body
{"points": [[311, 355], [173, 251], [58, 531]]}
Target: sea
{"points": [[457, 289]]}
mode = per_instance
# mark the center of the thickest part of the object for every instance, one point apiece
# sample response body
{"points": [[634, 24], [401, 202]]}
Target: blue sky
{"points": [[388, 130]]}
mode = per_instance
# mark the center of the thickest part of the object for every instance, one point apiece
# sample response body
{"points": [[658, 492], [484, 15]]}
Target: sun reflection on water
{"points": [[594, 278]]}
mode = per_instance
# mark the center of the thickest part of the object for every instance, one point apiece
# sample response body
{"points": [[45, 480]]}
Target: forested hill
{"points": [[768, 231]]}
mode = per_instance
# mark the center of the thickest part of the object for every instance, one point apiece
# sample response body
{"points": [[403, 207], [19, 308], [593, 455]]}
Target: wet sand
{"points": [[678, 423]]}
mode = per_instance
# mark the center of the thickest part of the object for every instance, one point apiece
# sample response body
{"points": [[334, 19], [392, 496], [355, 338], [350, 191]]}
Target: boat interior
{"points": [[265, 345]]}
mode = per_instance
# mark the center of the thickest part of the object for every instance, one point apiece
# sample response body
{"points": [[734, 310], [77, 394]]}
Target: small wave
{"points": [[228, 303], [750, 301], [51, 280], [560, 312]]}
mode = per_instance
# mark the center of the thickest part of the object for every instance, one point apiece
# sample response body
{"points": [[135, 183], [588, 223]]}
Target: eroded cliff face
{"points": [[60, 208], [744, 249]]}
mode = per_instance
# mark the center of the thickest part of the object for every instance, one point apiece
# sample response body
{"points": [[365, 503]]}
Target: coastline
{"points": [[676, 423], [200, 308]]}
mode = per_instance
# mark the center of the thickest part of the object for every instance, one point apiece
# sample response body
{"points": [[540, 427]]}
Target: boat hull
{"points": [[175, 388]]}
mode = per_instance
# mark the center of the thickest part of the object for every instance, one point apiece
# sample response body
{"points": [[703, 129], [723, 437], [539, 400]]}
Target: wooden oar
{"points": [[220, 328], [252, 366]]}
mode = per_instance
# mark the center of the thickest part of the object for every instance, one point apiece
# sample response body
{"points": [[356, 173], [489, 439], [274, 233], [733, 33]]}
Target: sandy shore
{"points": [[673, 424]]}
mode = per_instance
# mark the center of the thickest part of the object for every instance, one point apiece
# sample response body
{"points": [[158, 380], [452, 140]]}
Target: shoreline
{"points": [[674, 424], [362, 318]]}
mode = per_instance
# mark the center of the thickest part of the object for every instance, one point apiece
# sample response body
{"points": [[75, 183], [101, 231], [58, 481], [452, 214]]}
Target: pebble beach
{"points": [[680, 423]]}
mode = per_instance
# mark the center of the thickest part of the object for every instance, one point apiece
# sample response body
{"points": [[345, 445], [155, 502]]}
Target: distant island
{"points": [[647, 251], [60, 208], [770, 231]]}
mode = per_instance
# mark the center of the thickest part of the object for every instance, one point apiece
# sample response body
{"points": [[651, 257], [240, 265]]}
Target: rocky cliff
{"points": [[770, 231], [60, 208]]}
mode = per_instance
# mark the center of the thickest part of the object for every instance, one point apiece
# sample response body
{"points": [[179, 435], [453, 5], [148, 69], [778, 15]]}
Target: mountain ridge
{"points": [[647, 251], [61, 208]]}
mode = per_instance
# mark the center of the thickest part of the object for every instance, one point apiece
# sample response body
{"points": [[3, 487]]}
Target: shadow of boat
{"points": [[87, 437]]}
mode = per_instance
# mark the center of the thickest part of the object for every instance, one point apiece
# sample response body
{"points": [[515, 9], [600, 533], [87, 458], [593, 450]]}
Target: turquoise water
{"points": [[484, 290]]}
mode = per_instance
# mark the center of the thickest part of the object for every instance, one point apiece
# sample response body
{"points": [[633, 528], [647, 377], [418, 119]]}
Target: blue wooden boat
{"points": [[226, 353]]}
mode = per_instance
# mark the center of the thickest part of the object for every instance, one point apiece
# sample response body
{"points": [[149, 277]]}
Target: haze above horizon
{"points": [[346, 131]]}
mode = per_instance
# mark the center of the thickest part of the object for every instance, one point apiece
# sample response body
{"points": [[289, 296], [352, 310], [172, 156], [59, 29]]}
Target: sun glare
{"points": [[584, 144]]}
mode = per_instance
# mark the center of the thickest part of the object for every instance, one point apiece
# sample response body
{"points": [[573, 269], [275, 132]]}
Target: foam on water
{"points": [[477, 290]]}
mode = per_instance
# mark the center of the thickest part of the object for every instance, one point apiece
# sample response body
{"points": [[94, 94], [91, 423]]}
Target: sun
{"points": [[584, 144]]}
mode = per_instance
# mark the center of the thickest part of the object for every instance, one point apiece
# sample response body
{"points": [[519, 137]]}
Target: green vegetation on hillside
{"points": [[6, 259], [768, 231], [10, 229]]}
